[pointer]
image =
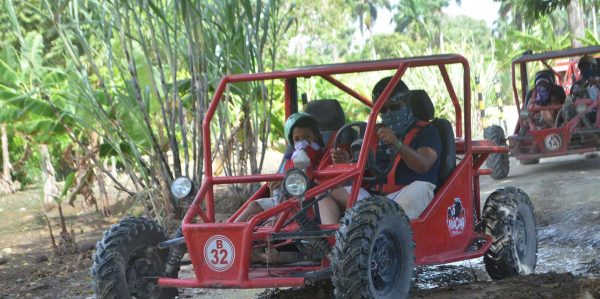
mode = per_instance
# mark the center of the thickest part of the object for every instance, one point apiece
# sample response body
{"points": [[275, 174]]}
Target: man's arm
{"points": [[420, 160]]}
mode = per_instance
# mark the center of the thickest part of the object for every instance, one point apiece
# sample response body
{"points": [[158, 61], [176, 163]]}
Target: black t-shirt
{"points": [[428, 136]]}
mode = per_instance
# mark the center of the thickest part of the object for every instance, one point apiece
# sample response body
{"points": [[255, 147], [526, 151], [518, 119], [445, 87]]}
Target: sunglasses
{"points": [[391, 107]]}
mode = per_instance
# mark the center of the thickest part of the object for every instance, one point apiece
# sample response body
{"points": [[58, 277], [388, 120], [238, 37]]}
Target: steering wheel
{"points": [[375, 171]]}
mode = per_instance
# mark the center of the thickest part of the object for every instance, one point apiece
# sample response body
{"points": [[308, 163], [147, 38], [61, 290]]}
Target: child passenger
{"points": [[302, 133]]}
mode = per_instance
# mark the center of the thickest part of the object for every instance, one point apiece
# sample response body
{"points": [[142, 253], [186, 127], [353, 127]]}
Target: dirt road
{"points": [[565, 193]]}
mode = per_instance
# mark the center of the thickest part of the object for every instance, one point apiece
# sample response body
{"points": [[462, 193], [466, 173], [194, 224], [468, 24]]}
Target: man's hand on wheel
{"points": [[339, 155]]}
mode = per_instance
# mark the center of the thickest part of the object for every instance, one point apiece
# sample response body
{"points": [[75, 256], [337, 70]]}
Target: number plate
{"points": [[219, 253]]}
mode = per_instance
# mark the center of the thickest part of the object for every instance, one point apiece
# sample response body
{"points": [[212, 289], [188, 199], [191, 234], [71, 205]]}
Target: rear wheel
{"points": [[373, 256], [127, 258], [498, 163], [508, 218]]}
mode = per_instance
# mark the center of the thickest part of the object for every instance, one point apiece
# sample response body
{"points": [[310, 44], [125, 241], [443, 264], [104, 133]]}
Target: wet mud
{"points": [[566, 198]]}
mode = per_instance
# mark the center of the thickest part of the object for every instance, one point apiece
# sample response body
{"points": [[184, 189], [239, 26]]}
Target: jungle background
{"points": [[102, 102]]}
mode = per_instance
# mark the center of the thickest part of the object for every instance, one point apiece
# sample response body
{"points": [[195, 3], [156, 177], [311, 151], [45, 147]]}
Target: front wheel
{"points": [[498, 163], [508, 218], [373, 256], [127, 258]]}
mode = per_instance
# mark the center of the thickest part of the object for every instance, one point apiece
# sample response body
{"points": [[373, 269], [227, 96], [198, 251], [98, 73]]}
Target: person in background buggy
{"points": [[588, 86], [588, 69], [545, 92]]}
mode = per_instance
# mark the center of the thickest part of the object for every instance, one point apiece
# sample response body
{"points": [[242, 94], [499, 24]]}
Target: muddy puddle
{"points": [[565, 262], [568, 247]]}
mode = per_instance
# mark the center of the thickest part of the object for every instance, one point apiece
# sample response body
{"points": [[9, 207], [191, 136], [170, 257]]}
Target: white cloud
{"points": [[486, 10]]}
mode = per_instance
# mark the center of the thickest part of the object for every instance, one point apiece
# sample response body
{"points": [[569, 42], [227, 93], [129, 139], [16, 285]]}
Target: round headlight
{"points": [[181, 187], [524, 113], [295, 183], [581, 108]]}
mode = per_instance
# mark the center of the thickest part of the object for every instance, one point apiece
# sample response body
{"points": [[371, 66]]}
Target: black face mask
{"points": [[399, 120]]}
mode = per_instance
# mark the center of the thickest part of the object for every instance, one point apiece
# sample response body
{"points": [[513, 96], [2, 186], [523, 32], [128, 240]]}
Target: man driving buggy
{"points": [[587, 85], [414, 177], [588, 68]]}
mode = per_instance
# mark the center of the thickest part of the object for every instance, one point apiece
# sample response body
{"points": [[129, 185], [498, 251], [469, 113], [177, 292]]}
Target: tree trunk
{"points": [[95, 144], [103, 193], [5, 155], [576, 28], [48, 176], [7, 184], [594, 21], [166, 195]]}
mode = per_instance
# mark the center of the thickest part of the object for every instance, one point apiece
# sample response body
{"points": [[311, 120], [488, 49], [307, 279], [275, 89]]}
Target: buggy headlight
{"points": [[581, 108], [181, 187], [524, 113], [295, 183]]}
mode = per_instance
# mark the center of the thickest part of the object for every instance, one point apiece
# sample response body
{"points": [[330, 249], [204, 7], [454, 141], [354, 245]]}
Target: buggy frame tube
{"points": [[454, 98], [348, 90], [400, 65], [330, 176]]}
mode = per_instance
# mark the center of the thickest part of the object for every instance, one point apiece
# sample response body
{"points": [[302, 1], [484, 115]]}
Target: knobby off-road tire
{"points": [[508, 217], [498, 163], [128, 252], [373, 256], [529, 161]]}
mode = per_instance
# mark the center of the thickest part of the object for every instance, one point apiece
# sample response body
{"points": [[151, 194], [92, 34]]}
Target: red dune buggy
{"points": [[374, 249], [576, 128]]}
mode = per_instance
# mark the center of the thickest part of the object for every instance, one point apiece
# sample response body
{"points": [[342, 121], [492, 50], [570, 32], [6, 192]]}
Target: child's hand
{"points": [[340, 156], [274, 185]]}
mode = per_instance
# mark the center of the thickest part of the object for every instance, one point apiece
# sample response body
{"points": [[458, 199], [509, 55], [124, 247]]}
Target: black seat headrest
{"points": [[448, 154], [421, 105], [328, 112]]}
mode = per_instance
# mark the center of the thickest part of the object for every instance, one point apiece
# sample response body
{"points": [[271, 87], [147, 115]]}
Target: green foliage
{"points": [[393, 45], [535, 9], [539, 38], [142, 73], [420, 19], [590, 39], [69, 181], [26, 82], [322, 35], [463, 30]]}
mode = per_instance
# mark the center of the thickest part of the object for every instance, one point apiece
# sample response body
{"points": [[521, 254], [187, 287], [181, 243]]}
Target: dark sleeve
{"points": [[429, 137], [558, 92], [577, 86]]}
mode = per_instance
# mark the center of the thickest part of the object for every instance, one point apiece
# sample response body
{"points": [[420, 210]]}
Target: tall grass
{"points": [[141, 75]]}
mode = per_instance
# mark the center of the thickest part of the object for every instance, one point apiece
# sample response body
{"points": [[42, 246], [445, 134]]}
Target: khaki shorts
{"points": [[413, 198]]}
